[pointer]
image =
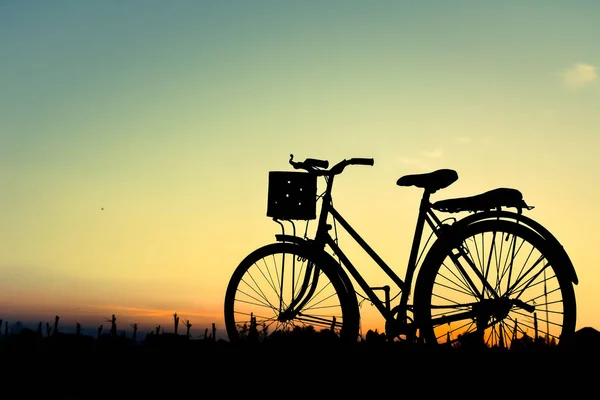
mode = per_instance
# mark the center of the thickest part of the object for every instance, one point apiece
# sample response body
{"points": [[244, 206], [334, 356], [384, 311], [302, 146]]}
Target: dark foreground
{"points": [[70, 367]]}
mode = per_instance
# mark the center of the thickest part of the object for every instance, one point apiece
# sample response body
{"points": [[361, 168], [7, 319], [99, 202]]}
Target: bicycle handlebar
{"points": [[317, 163], [318, 167], [361, 161]]}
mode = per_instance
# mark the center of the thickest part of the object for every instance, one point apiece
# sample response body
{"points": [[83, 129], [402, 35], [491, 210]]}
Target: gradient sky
{"points": [[136, 136]]}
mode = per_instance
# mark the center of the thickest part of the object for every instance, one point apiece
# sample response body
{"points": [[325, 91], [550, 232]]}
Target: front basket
{"points": [[292, 195]]}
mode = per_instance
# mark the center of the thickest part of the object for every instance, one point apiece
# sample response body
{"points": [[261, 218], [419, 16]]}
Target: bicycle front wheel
{"points": [[499, 284], [284, 291]]}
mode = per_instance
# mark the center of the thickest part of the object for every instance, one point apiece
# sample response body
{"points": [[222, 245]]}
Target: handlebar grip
{"points": [[313, 162], [362, 161]]}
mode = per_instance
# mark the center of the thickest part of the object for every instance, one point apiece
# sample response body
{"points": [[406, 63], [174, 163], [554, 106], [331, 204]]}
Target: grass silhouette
{"points": [[80, 366], [26, 340]]}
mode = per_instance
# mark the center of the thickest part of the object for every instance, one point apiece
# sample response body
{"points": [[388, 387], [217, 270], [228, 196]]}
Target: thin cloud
{"points": [[546, 114], [145, 312], [437, 153], [414, 163], [419, 163], [580, 75], [463, 139], [409, 161]]}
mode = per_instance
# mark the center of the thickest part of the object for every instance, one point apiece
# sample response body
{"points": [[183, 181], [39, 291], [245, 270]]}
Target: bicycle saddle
{"points": [[431, 181]]}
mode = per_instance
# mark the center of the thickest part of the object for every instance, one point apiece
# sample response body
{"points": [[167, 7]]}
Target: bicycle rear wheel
{"points": [[500, 284], [284, 291]]}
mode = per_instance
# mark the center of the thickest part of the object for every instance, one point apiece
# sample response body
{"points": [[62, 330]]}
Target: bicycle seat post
{"points": [[423, 208]]}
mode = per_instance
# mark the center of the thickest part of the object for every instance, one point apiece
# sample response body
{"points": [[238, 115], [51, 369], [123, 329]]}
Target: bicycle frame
{"points": [[400, 324], [481, 308], [323, 238], [487, 301]]}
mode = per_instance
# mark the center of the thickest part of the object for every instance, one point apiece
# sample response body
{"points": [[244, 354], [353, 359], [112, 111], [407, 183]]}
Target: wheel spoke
{"points": [[524, 294], [280, 288]]}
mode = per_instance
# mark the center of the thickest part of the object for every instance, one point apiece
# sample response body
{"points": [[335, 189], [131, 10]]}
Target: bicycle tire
{"points": [[259, 295], [542, 282]]}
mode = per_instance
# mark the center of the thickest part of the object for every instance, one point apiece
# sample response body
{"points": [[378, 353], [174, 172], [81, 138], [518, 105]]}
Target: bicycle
{"points": [[521, 289]]}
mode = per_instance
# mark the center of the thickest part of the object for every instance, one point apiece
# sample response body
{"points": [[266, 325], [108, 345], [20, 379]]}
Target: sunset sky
{"points": [[136, 137]]}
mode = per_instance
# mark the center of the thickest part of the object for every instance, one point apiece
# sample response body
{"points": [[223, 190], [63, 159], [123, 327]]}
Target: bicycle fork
{"points": [[305, 291]]}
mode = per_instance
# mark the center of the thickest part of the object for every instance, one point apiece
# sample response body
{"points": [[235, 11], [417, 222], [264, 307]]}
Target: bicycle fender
{"points": [[521, 219], [290, 238]]}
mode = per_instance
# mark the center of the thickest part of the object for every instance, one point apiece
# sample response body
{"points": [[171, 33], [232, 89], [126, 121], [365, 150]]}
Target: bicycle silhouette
{"points": [[491, 277]]}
